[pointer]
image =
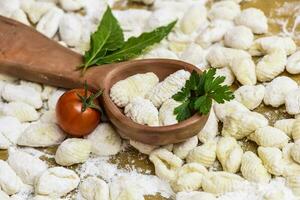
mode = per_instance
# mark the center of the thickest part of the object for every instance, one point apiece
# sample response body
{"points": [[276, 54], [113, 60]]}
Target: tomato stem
{"points": [[88, 101]]}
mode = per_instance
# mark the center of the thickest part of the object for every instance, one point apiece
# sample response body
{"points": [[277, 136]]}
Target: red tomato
{"points": [[70, 116]]}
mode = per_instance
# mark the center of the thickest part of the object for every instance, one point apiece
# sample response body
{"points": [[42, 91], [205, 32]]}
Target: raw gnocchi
{"points": [[166, 113], [293, 63], [228, 108], [262, 137], [254, 19], [239, 37], [143, 148], [204, 154], [165, 163], [286, 125], [227, 10], [10, 130], [105, 140], [294, 183], [221, 182], [292, 102], [272, 160], [229, 153], [193, 18], [22, 111], [250, 96], [94, 188], [134, 86], [296, 129], [227, 73], [142, 111], [253, 169], [56, 181], [73, 151], [168, 87], [244, 70], [10, 183], [277, 90], [182, 149], [189, 177], [295, 152], [211, 129]]}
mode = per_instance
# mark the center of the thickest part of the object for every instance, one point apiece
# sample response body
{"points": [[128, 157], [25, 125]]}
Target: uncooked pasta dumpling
{"points": [[165, 163], [244, 70], [227, 73], [239, 37], [272, 160], [242, 124], [10, 183], [204, 154], [168, 87], [295, 152], [253, 169], [189, 177], [137, 85], [293, 182], [292, 102], [229, 153], [296, 129], [211, 128], [193, 18], [3, 196], [221, 182], [293, 63], [56, 181], [182, 149], [142, 111], [166, 113], [286, 125], [269, 137], [73, 151], [271, 65], [227, 10], [254, 19], [143, 148], [250, 96], [277, 90], [94, 188], [228, 108], [193, 54], [105, 140]]}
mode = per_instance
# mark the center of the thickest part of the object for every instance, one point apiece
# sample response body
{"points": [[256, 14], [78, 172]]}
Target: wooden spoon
{"points": [[29, 55]]}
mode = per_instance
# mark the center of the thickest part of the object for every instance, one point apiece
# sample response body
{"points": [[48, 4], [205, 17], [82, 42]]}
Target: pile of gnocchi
{"points": [[142, 95], [207, 166]]}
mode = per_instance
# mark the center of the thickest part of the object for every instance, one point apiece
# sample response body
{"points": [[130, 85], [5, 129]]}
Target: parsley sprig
{"points": [[199, 92]]}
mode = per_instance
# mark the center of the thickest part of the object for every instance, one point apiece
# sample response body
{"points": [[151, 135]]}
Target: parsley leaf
{"points": [[108, 37], [199, 92]]}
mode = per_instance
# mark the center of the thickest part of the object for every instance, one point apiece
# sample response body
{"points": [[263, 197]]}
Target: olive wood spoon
{"points": [[27, 54]]}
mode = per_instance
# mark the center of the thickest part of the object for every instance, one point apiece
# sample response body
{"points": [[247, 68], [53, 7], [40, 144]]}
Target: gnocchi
{"points": [[204, 154], [137, 85], [193, 18], [224, 10], [10, 183], [253, 169], [286, 125], [182, 149], [94, 189], [295, 152], [293, 63], [228, 108], [211, 128], [22, 111], [227, 73], [239, 37], [294, 183], [250, 96], [165, 163], [229, 153], [142, 111], [168, 87], [292, 102], [296, 129], [272, 160], [166, 113], [262, 137]]}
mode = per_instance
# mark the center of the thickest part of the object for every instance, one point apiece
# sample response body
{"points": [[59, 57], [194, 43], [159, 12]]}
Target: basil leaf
{"points": [[135, 46], [108, 37]]}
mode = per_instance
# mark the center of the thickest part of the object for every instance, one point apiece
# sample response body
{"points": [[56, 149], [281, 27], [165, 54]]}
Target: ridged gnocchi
{"points": [[204, 154], [41, 135], [193, 18], [165, 163], [10, 183], [239, 37], [137, 85], [286, 125], [26, 166], [229, 153], [189, 177], [295, 152], [56, 181], [228, 108], [272, 160], [277, 90], [168, 87], [94, 188], [211, 128], [105, 140], [70, 29], [262, 137], [142, 111], [227, 10], [271, 65], [296, 129], [221, 182], [142, 148], [244, 70], [10, 130], [293, 63], [3, 195], [194, 54], [73, 151], [254, 19], [250, 96], [253, 169], [294, 183], [182, 149], [292, 102], [22, 111], [227, 73], [166, 113], [242, 124]]}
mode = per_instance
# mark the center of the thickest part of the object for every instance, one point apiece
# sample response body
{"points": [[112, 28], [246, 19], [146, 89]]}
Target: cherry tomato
{"points": [[76, 112]]}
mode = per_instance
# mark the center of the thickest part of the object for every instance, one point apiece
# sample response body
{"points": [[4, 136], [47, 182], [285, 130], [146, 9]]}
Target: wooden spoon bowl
{"points": [[27, 54]]}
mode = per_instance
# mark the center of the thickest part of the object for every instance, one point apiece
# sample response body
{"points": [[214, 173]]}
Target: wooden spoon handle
{"points": [[27, 54]]}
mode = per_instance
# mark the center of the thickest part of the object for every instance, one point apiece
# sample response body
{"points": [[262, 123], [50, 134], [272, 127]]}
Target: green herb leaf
{"points": [[199, 92], [108, 37], [135, 46]]}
